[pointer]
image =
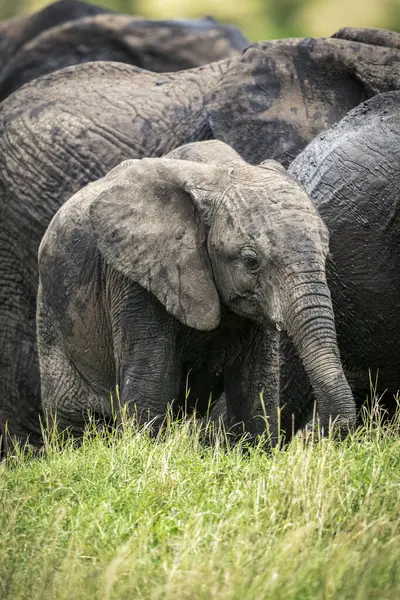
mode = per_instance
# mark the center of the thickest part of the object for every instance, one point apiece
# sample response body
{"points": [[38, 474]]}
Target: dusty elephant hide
{"points": [[51, 40], [16, 32], [352, 173]]}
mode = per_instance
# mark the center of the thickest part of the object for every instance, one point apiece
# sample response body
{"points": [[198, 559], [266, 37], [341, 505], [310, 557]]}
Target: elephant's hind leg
{"points": [[67, 397]]}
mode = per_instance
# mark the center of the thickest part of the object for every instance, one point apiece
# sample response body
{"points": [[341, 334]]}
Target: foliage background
{"points": [[258, 19]]}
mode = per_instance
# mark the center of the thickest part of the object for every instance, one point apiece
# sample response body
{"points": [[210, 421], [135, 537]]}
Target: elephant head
{"points": [[205, 231]]}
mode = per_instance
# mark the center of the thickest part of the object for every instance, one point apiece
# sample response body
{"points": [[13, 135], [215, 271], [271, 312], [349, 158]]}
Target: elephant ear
{"points": [[145, 216]]}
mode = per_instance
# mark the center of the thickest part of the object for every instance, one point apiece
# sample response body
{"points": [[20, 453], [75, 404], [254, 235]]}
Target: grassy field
{"points": [[127, 517]]}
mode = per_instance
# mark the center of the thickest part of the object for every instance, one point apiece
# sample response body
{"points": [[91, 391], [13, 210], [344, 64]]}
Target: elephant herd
{"points": [[223, 225]]}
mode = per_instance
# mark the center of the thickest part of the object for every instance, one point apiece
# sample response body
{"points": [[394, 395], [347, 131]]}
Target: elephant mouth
{"points": [[250, 307]]}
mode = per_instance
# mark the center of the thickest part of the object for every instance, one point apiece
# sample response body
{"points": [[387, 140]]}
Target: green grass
{"points": [[127, 517]]}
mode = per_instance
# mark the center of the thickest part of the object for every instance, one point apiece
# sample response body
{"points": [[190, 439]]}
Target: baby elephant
{"points": [[171, 279]]}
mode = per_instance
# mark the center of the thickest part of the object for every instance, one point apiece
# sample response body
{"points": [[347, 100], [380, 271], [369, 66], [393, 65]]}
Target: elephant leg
{"points": [[252, 386], [19, 369], [201, 389], [149, 381], [69, 402], [67, 396], [68, 399], [147, 357], [219, 412], [297, 399]]}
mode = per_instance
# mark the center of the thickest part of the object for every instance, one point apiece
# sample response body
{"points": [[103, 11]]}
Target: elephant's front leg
{"points": [[252, 385], [148, 365]]}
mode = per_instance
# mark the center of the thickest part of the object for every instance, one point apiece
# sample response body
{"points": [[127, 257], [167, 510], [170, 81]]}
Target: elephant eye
{"points": [[250, 259]]}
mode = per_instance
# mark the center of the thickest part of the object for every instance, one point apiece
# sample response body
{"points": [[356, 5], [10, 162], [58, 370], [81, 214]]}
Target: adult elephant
{"points": [[16, 32], [154, 45], [71, 127], [179, 272], [52, 41], [352, 173]]}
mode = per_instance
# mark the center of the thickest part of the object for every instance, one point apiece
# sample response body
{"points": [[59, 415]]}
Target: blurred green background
{"points": [[258, 19]]}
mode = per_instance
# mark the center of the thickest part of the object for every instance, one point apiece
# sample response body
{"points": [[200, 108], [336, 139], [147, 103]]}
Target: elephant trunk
{"points": [[309, 321]]}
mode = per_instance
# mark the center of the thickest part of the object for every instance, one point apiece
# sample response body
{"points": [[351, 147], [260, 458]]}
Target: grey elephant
{"points": [[16, 32], [352, 174], [170, 273], [154, 45], [69, 128]]}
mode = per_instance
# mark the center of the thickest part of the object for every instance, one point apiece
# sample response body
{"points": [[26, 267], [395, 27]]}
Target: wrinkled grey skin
{"points": [[14, 33], [352, 174], [69, 128], [169, 274], [154, 45], [376, 37]]}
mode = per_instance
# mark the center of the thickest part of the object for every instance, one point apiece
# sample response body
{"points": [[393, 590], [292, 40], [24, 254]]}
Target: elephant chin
{"points": [[248, 309]]}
